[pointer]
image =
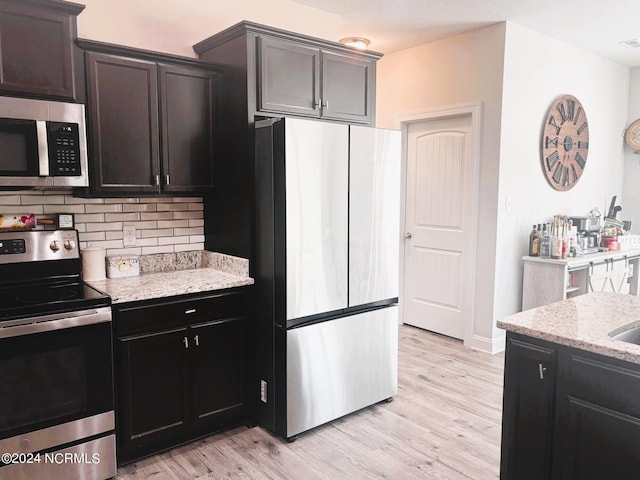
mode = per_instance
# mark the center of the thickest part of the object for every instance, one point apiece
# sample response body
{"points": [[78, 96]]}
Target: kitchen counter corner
{"points": [[582, 322], [213, 272]]}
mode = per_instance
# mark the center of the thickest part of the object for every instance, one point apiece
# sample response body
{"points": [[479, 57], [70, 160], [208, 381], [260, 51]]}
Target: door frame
{"points": [[474, 110]]}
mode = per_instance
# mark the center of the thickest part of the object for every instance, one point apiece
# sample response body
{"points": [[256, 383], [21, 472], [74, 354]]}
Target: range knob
{"points": [[54, 245], [69, 244]]}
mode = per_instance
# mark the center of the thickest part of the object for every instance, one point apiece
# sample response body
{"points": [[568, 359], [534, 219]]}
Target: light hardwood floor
{"points": [[443, 424]]}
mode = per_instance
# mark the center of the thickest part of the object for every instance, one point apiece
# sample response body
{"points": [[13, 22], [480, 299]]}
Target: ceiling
{"points": [[392, 25]]}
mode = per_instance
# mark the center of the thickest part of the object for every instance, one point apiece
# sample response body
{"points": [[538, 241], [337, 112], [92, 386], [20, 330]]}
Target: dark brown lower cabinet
{"points": [[530, 373], [183, 379], [582, 424]]}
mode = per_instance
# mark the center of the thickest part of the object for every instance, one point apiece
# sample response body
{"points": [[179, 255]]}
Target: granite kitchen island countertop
{"points": [[583, 322], [167, 275]]}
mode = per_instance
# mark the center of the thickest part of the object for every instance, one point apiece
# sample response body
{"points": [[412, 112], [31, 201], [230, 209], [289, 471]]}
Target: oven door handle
{"points": [[56, 321]]}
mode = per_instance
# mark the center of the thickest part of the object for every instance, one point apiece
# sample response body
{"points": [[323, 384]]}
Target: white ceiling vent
{"points": [[633, 43]]}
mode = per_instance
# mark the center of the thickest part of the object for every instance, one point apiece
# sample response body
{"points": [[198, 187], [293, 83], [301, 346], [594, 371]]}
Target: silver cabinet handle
{"points": [[542, 369], [191, 310], [325, 104], [408, 235], [156, 180], [166, 179], [315, 104], [185, 340], [196, 339]]}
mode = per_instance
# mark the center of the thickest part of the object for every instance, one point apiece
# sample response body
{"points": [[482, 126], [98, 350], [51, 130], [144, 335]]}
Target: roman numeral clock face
{"points": [[565, 142]]}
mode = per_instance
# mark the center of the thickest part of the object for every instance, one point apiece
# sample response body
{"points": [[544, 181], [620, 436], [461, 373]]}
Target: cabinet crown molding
{"points": [[245, 26]]}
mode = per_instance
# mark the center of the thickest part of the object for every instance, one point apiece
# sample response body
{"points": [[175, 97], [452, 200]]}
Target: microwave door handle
{"points": [[43, 148]]}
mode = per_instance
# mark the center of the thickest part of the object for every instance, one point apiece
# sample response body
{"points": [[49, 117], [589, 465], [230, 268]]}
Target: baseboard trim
{"points": [[490, 345]]}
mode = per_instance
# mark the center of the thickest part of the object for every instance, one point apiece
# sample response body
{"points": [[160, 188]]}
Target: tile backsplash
{"points": [[163, 224]]}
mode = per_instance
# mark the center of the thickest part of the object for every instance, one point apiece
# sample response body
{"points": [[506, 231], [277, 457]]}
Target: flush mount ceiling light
{"points": [[360, 43]]}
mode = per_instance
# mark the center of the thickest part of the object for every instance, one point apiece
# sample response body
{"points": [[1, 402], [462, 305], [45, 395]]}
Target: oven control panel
{"points": [[12, 246], [38, 246]]}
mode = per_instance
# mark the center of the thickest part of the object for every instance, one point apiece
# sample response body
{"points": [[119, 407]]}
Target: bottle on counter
{"points": [[544, 246], [533, 242], [556, 240], [565, 240]]}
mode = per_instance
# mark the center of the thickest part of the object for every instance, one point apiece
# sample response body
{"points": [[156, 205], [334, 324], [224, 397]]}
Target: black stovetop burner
{"points": [[43, 275], [42, 299]]}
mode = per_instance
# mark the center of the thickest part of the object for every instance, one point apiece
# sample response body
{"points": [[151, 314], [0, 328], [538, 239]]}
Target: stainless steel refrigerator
{"points": [[326, 268]]}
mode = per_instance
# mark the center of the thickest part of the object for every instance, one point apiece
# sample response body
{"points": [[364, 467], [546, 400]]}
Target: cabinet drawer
{"points": [[143, 317], [612, 385]]}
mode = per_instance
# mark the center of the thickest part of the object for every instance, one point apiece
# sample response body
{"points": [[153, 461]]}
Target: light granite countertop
{"points": [[167, 275], [583, 322]]}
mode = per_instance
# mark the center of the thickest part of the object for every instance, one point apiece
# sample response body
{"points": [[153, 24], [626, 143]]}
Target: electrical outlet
{"points": [[263, 391], [129, 238]]}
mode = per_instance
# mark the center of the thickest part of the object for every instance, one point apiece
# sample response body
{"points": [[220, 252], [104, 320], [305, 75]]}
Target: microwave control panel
{"points": [[64, 149]]}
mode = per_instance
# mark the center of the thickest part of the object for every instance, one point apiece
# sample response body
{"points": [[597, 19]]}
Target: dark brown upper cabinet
{"points": [[187, 107], [304, 80], [36, 39], [292, 74], [151, 123]]}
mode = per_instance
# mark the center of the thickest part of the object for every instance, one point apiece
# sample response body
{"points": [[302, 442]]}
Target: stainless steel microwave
{"points": [[42, 144]]}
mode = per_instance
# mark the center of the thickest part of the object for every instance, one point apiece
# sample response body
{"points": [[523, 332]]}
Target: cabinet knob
{"points": [[408, 235], [325, 104], [315, 104]]}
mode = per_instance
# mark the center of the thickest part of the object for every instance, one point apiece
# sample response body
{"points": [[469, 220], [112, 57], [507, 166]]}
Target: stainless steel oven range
{"points": [[56, 374]]}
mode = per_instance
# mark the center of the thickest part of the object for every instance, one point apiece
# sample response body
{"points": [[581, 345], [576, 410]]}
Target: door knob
{"points": [[408, 235]]}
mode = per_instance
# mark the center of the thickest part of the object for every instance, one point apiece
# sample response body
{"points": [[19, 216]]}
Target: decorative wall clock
{"points": [[565, 142], [632, 136]]}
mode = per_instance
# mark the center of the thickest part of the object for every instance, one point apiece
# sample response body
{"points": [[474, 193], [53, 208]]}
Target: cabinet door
{"points": [[123, 124], [619, 275], [599, 419], [35, 57], [599, 278], [152, 384], [218, 371], [528, 410], [289, 76], [348, 84], [187, 117], [610, 276]]}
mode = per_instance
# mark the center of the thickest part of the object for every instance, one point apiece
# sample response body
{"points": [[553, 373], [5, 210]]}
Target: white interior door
{"points": [[440, 210]]}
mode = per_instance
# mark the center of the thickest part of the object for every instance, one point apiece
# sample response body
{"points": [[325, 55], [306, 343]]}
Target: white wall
{"points": [[631, 205], [516, 73], [461, 69], [537, 70], [173, 27]]}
